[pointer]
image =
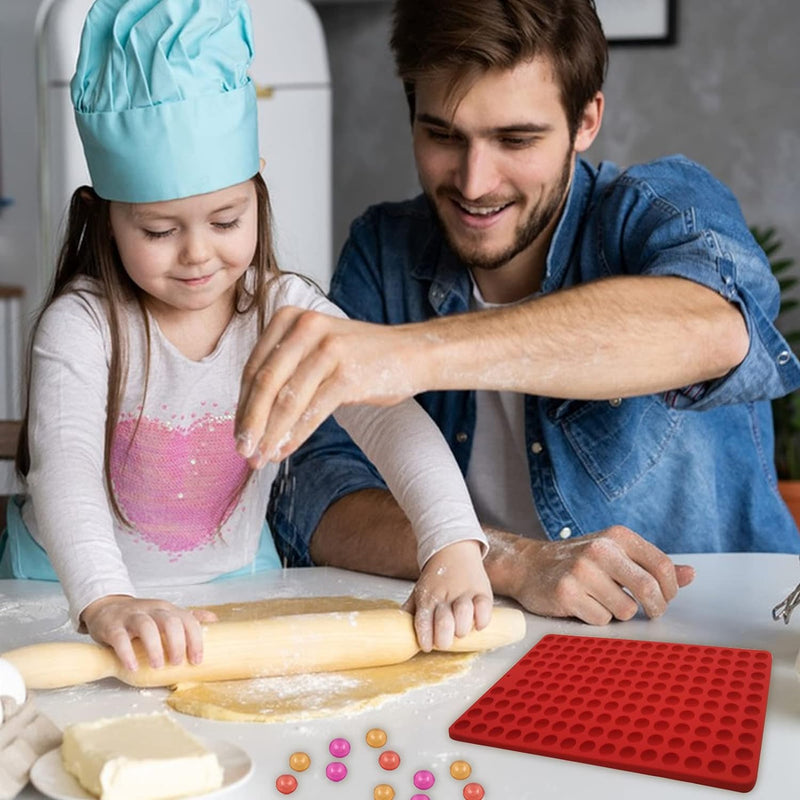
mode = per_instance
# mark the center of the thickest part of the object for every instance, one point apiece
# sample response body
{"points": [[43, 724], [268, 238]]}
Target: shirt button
{"points": [[565, 532], [784, 357], [615, 402], [461, 437], [536, 448]]}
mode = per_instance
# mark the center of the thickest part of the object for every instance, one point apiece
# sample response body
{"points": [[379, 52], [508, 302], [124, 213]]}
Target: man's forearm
{"points": [[367, 531], [617, 337]]}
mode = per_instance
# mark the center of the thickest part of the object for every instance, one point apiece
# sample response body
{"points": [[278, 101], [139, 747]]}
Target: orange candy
{"points": [[376, 737], [383, 792], [460, 770], [299, 762]]}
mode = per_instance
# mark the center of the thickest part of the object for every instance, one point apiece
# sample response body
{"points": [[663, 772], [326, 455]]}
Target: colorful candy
{"points": [[286, 784], [376, 737], [388, 759], [339, 748], [423, 779], [473, 791], [383, 792], [299, 762], [420, 797], [460, 770], [336, 771]]}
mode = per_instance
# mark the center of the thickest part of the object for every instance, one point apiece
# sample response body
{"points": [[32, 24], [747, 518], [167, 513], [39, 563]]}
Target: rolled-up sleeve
{"points": [[703, 237]]}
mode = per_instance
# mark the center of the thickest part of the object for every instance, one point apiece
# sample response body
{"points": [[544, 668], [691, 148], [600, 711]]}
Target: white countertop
{"points": [[729, 604]]}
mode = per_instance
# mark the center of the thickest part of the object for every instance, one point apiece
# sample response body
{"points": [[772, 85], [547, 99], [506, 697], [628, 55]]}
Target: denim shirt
{"points": [[691, 470]]}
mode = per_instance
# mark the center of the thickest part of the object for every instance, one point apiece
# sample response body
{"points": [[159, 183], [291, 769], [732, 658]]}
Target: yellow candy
{"points": [[460, 770], [299, 762], [376, 737], [383, 792]]}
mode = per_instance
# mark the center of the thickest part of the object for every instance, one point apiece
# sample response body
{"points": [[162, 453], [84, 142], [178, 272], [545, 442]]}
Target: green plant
{"points": [[785, 410]]}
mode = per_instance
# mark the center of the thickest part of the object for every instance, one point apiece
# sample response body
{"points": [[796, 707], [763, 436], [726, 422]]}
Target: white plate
{"points": [[50, 778]]}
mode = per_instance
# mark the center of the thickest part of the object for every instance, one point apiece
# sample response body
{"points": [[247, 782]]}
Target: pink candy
{"points": [[423, 779], [339, 748], [336, 771]]}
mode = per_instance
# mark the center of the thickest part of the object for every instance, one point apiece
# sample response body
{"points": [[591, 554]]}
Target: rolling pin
{"points": [[260, 648]]}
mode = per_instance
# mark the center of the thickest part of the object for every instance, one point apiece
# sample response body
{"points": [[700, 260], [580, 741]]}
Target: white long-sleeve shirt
{"points": [[174, 466]]}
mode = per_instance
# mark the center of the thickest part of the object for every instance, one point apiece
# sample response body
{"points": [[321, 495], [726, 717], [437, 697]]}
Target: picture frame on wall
{"points": [[639, 22]]}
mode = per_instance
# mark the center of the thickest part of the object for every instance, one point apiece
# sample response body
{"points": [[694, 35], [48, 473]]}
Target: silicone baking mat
{"points": [[688, 712]]}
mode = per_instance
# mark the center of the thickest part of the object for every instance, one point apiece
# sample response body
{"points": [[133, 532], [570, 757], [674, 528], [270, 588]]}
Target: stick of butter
{"points": [[139, 757]]}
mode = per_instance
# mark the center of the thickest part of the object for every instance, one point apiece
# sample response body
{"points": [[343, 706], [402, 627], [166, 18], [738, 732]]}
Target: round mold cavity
{"points": [[577, 728], [676, 742], [741, 771]]}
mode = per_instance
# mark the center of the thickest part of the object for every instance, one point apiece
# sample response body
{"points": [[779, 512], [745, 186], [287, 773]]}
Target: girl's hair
{"points": [[464, 38], [89, 251]]}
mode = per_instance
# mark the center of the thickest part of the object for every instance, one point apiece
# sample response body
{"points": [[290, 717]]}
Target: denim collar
{"points": [[450, 284], [567, 231]]}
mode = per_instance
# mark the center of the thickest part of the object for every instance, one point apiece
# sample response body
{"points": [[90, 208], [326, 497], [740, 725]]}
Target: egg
{"points": [[11, 684]]}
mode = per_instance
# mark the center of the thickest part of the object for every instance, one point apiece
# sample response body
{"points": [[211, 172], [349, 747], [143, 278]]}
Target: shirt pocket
{"points": [[618, 441]]}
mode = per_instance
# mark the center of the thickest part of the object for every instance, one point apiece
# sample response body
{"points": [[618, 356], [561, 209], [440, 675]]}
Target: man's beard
{"points": [[526, 233]]}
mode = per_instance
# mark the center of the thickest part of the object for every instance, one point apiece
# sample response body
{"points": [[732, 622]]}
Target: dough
{"points": [[311, 696], [139, 757]]}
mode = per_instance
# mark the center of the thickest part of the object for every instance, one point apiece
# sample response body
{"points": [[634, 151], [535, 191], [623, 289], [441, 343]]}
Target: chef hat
{"points": [[163, 102]]}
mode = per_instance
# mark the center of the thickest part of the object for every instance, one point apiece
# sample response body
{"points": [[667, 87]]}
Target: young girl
{"points": [[164, 282]]}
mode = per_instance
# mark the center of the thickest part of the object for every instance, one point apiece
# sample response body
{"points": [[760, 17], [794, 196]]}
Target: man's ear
{"points": [[590, 122]]}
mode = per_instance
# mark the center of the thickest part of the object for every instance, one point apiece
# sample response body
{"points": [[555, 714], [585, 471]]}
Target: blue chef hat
{"points": [[162, 99]]}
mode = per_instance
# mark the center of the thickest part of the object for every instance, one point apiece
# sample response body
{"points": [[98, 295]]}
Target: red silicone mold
{"points": [[688, 712]]}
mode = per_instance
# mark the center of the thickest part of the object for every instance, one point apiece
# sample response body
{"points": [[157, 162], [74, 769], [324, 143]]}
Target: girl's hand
{"points": [[117, 620], [452, 595]]}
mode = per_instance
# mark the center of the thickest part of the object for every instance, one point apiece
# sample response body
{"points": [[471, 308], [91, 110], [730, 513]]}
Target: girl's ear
{"points": [[261, 164]]}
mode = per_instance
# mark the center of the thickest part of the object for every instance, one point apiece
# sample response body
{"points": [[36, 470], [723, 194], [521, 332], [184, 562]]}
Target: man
{"points": [[597, 346]]}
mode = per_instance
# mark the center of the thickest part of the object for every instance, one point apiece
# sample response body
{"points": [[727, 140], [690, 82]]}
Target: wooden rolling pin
{"points": [[288, 645]]}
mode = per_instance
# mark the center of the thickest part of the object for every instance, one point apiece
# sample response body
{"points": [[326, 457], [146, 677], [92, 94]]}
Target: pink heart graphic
{"points": [[176, 485]]}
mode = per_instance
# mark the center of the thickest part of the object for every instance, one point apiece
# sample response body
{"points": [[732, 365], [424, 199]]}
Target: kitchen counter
{"points": [[729, 604]]}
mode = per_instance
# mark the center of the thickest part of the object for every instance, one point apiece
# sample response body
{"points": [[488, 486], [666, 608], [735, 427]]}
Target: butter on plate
{"points": [[139, 757]]}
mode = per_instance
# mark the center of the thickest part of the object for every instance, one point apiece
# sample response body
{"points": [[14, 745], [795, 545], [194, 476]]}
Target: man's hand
{"points": [[117, 620], [304, 366], [596, 578]]}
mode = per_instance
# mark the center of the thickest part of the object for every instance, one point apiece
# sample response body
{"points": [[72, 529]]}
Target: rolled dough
{"points": [[311, 696]]}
